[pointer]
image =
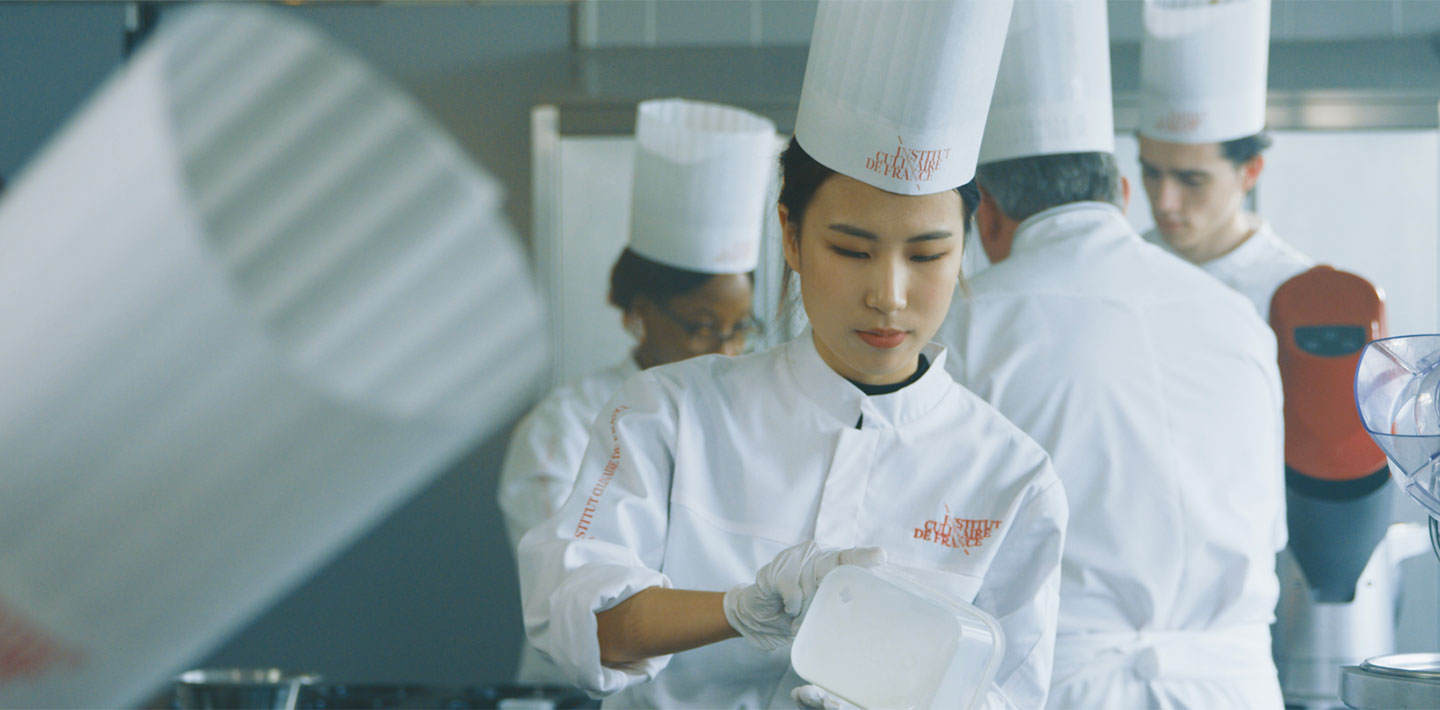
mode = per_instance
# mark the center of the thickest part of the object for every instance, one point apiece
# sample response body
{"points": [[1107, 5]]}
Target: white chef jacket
{"points": [[1261, 264], [1155, 390], [540, 468], [701, 471], [545, 449]]}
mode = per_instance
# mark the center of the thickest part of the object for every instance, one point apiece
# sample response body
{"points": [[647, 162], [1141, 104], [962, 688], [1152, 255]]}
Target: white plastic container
{"points": [[881, 638]]}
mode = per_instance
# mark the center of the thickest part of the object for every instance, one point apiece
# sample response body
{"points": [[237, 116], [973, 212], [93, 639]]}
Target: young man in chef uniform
{"points": [[1152, 386], [716, 493], [1202, 134], [683, 284]]}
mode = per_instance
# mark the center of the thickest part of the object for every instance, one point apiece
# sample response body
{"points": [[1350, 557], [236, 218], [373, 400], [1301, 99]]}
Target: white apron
{"points": [[1155, 390], [539, 471], [700, 472]]}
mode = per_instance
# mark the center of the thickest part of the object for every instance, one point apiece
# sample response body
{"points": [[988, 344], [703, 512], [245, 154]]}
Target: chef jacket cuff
{"points": [[592, 589]]}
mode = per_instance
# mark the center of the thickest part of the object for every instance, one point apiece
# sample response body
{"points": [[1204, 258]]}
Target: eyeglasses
{"points": [[706, 333]]}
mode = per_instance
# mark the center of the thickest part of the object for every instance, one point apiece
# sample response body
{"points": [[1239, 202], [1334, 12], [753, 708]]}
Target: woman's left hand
{"points": [[767, 613]]}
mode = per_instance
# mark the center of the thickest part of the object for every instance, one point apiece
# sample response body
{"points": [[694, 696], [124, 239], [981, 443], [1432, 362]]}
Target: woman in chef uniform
{"points": [[717, 492], [683, 285]]}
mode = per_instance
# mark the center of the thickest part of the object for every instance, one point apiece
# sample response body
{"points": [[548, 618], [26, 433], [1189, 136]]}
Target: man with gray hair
{"points": [[1152, 386]]}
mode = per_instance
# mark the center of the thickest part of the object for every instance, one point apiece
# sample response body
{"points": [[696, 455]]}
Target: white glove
{"points": [[767, 613], [813, 697]]}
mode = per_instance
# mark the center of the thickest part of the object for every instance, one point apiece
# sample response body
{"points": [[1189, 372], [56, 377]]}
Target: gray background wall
{"points": [[429, 595], [473, 62]]}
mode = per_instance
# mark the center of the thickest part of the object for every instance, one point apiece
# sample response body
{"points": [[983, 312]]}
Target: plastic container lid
{"points": [[882, 638]]}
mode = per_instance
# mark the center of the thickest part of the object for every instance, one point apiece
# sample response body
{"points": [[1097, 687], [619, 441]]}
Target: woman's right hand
{"points": [[767, 613]]}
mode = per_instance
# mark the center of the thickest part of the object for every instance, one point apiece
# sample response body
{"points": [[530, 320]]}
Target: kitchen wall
{"points": [[667, 23], [53, 54]]}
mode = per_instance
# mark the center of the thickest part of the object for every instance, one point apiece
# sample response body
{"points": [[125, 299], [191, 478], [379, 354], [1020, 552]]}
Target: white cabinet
{"points": [[578, 235], [1363, 201]]}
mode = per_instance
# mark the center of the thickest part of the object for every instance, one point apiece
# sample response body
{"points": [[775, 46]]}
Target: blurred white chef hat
{"points": [[1052, 94], [896, 93], [702, 172], [1202, 69], [256, 299]]}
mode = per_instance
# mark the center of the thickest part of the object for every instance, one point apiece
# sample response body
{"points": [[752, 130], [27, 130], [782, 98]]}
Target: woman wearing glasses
{"points": [[683, 286]]}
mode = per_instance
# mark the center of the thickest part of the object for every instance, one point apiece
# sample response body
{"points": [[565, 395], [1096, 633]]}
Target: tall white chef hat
{"points": [[896, 93], [1052, 94], [1202, 69], [702, 172]]}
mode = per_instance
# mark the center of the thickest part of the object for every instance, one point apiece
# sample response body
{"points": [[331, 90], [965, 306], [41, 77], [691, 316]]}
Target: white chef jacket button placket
{"points": [[1147, 665]]}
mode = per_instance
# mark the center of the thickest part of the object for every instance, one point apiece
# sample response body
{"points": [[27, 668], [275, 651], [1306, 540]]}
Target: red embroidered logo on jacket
{"points": [[587, 516], [960, 533]]}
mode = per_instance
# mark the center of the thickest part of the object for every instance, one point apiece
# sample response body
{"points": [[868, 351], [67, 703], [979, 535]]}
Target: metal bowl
{"points": [[240, 689], [1406, 665], [386, 696]]}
